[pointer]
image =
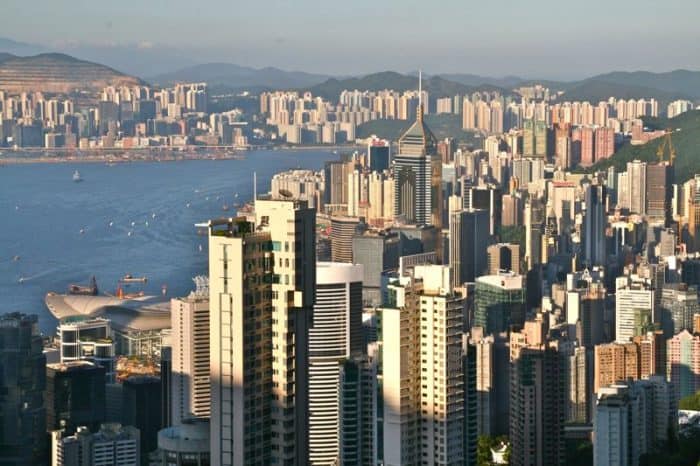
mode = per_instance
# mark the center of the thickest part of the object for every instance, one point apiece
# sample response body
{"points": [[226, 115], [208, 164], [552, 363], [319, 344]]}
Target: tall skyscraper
{"points": [[240, 287], [358, 409], [75, 395], [637, 190], [291, 226], [191, 385], [422, 370], [417, 172], [594, 222], [22, 384], [469, 237], [537, 398], [262, 281], [335, 336], [658, 192], [142, 408]]}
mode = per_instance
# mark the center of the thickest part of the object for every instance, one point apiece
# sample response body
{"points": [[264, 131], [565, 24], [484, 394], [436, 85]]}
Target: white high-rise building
{"points": [[634, 301], [88, 339], [336, 335], [422, 370], [632, 419], [190, 390], [292, 229]]}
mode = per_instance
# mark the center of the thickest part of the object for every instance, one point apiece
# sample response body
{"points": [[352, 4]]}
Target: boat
{"points": [[90, 290], [224, 207], [128, 278], [76, 176]]}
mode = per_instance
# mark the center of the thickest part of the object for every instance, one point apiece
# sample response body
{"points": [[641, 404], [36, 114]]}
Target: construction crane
{"points": [[662, 148]]}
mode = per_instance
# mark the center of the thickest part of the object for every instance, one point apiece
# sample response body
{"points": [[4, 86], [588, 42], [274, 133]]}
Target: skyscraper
{"points": [[378, 153], [537, 399], [417, 172], [141, 408], [335, 336], [423, 417], [75, 395], [191, 389], [358, 409], [291, 226], [499, 302], [240, 287], [22, 384], [469, 237], [503, 256], [631, 299], [658, 192], [632, 419]]}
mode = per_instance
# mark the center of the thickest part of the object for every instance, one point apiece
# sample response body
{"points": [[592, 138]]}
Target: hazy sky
{"points": [[543, 38]]}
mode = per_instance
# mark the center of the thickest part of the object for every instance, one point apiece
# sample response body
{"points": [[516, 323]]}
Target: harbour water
{"points": [[135, 218]]}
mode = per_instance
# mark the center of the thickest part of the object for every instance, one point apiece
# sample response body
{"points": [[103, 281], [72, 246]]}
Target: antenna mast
{"points": [[420, 94]]}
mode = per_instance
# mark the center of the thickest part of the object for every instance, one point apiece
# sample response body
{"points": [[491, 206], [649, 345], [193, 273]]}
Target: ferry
{"points": [[90, 290], [128, 278]]}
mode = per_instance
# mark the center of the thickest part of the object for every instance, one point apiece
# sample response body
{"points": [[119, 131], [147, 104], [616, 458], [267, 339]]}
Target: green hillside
{"points": [[686, 140], [442, 126]]}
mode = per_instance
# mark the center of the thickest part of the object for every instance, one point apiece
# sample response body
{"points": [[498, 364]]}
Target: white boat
{"points": [[76, 176]]}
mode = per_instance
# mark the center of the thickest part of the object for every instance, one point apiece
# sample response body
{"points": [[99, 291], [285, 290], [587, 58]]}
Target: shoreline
{"points": [[120, 156]]}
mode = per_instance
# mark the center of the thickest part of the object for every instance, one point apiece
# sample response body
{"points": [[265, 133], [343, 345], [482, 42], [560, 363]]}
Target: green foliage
{"points": [[686, 140], [691, 402], [483, 448], [685, 453], [579, 453], [512, 234]]}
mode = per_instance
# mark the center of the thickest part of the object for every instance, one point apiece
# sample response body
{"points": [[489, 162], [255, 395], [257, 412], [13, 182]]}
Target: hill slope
{"points": [[595, 90], [58, 73], [686, 140], [683, 82], [436, 85], [235, 76]]}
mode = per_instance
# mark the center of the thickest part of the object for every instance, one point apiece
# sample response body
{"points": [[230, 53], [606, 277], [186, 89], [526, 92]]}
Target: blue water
{"points": [[42, 212]]}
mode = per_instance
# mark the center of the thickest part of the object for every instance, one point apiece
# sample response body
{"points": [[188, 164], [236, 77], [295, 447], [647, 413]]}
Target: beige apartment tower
{"points": [[262, 280], [240, 286], [189, 316], [291, 226]]}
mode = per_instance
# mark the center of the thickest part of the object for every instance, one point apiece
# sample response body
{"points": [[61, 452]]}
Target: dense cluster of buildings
{"points": [[391, 309], [123, 118]]}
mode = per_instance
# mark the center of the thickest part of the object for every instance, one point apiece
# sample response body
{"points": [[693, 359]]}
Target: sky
{"points": [[555, 39]]}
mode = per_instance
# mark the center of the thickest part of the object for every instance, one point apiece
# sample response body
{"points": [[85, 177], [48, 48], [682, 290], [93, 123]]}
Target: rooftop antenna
{"points": [[420, 94]]}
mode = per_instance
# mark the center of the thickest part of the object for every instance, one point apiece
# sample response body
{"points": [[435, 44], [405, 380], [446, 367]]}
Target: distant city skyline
{"points": [[532, 40]]}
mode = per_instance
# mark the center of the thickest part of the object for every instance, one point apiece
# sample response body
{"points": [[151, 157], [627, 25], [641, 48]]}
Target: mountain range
{"points": [[163, 66], [228, 75]]}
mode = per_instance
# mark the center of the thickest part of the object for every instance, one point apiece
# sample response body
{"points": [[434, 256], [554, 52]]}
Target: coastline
{"points": [[151, 154]]}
